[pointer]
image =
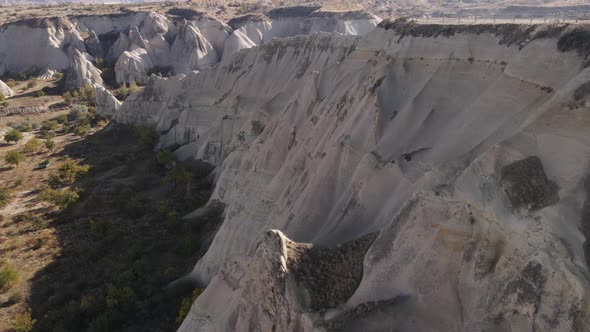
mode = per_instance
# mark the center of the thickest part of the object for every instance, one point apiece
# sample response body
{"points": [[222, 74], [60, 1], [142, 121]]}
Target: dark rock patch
{"points": [[577, 40], [330, 275], [582, 91], [526, 185], [585, 221], [293, 11], [238, 22], [528, 286], [186, 13], [349, 15]]}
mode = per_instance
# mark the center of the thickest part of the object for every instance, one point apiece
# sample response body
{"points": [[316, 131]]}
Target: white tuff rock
{"points": [[463, 150]]}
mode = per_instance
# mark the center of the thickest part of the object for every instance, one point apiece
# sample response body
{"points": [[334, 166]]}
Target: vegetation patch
{"points": [[122, 236]]}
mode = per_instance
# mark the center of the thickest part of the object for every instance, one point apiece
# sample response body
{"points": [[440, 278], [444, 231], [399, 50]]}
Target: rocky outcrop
{"points": [[5, 90], [81, 71], [136, 41], [281, 280], [191, 51], [106, 104], [463, 149], [93, 45], [133, 66]]}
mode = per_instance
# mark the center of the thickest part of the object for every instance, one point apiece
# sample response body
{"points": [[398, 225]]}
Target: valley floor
{"points": [[104, 261]]}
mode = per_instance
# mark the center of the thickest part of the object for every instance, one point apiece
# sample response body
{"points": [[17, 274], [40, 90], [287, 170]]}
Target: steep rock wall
{"points": [[464, 148]]}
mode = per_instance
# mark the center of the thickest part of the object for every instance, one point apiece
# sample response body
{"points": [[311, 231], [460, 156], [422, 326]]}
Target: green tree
{"points": [[165, 157], [62, 119], [186, 304], [179, 176], [67, 173], [49, 125], [68, 99], [14, 157], [79, 114], [145, 135], [49, 144], [13, 135], [33, 145], [87, 95], [62, 198], [120, 297]]}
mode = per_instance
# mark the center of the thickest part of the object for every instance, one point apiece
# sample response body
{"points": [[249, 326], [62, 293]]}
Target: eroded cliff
{"points": [[460, 150]]}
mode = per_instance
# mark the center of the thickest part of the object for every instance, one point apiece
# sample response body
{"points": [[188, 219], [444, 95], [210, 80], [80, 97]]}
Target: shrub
{"points": [[78, 113], [166, 212], [179, 176], [33, 145], [23, 76], [87, 95], [62, 119], [4, 197], [257, 127], [68, 172], [187, 246], [31, 83], [62, 198], [14, 157], [120, 297], [82, 130], [2, 97], [11, 83], [24, 127], [48, 134], [68, 99], [132, 87], [100, 227], [187, 302], [145, 135], [13, 135], [8, 277], [40, 93], [23, 322], [49, 125], [122, 93], [49, 144], [165, 157]]}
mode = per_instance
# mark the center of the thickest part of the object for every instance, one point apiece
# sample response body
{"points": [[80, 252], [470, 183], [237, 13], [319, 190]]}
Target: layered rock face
{"points": [[141, 42], [430, 178]]}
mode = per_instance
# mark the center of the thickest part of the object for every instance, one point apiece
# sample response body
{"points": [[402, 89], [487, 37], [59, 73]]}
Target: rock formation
{"points": [[139, 42], [81, 70], [451, 161], [5, 90]]}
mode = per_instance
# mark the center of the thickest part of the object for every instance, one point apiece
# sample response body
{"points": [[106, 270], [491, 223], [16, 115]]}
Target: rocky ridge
{"points": [[140, 43], [460, 150]]}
